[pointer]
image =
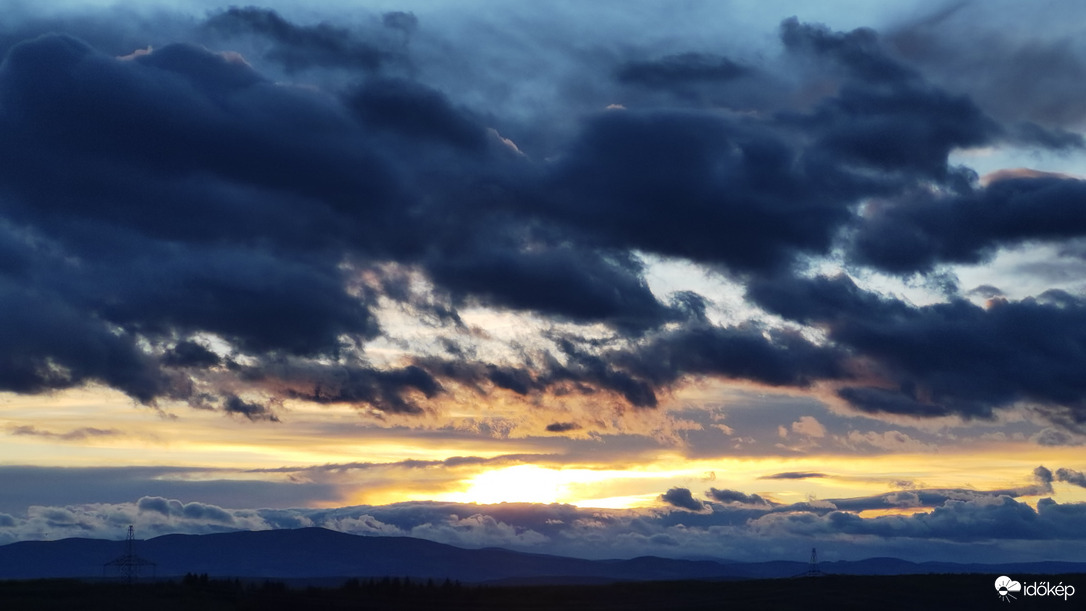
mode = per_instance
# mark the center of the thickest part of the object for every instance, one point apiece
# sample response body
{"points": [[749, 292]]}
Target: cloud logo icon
{"points": [[1005, 585]]}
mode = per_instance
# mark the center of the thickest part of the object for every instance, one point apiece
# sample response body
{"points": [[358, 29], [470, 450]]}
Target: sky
{"points": [[693, 279]]}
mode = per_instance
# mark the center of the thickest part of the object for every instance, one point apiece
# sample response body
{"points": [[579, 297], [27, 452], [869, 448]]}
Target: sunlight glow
{"points": [[581, 487]]}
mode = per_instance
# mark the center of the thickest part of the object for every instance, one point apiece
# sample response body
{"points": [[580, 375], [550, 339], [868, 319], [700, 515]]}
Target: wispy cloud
{"points": [[793, 475], [78, 434]]}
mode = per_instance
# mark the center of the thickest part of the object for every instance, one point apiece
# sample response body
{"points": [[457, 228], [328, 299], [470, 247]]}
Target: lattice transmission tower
{"points": [[129, 566], [812, 567]]}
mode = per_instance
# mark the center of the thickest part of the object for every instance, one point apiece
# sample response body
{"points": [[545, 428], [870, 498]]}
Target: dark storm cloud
{"points": [[517, 380], [177, 123], [775, 358], [751, 194], [562, 427], [50, 345], [885, 116], [253, 411], [946, 358], [641, 370], [180, 122], [141, 169], [677, 69], [212, 140], [576, 284], [923, 230], [569, 369], [415, 111], [734, 496], [860, 52], [152, 201], [889, 116], [257, 300], [700, 186], [388, 390], [296, 46], [190, 354], [683, 499], [923, 124]]}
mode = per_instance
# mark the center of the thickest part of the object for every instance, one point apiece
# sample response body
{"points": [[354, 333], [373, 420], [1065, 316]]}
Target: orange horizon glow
{"points": [[374, 466]]}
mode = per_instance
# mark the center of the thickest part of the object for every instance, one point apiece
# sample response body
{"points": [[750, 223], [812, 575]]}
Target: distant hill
{"points": [[314, 553]]}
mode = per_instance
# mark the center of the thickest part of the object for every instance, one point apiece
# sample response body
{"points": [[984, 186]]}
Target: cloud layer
{"points": [[730, 525], [182, 223]]}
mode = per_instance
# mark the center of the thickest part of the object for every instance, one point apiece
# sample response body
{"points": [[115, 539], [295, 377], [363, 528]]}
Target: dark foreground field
{"points": [[881, 593]]}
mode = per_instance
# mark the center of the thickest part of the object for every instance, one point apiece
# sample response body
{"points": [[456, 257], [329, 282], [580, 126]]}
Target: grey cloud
{"points": [[794, 475], [156, 504], [1044, 476], [946, 358], [998, 524], [415, 111], [298, 47], [677, 69], [639, 371], [78, 434], [562, 427], [990, 58], [1055, 139], [703, 187], [860, 52], [1071, 477], [386, 390], [452, 462], [51, 486], [931, 498], [1054, 437], [734, 496], [208, 513], [920, 231], [683, 499], [190, 354], [967, 521], [253, 411]]}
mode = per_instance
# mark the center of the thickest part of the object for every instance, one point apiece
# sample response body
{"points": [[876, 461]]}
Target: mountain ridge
{"points": [[318, 553]]}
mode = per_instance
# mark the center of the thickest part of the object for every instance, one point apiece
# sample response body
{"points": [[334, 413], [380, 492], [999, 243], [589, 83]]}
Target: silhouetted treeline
{"points": [[199, 592]]}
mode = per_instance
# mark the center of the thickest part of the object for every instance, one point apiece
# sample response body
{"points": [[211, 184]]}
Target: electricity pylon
{"points": [[128, 566]]}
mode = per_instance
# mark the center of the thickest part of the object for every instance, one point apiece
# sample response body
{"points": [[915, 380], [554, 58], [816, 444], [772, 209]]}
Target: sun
{"points": [[608, 488], [516, 484]]}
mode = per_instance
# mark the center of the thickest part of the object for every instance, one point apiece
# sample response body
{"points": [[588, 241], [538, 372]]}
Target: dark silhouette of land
{"points": [[839, 592], [315, 568], [325, 557]]}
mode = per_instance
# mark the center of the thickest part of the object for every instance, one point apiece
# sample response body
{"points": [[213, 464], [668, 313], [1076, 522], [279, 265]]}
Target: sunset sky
{"points": [[699, 279]]}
